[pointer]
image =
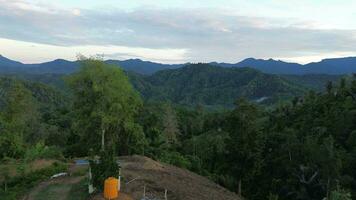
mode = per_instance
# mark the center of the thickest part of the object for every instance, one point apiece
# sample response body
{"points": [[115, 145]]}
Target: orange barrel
{"points": [[111, 188]]}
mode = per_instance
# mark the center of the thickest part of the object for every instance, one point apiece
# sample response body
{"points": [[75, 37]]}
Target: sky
{"points": [[178, 31]]}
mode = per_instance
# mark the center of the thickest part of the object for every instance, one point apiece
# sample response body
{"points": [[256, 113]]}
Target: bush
{"points": [[103, 168], [340, 195], [39, 151], [176, 159]]}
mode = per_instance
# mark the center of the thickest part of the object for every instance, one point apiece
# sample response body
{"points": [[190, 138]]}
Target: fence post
{"points": [[144, 191]]}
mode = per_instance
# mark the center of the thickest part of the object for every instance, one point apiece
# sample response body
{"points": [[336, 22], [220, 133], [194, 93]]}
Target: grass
{"points": [[79, 191], [53, 192], [63, 191], [13, 166]]}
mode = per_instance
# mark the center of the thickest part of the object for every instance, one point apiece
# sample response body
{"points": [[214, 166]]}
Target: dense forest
{"points": [[209, 85], [303, 148]]}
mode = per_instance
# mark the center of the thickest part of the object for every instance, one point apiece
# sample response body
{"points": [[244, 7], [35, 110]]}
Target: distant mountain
{"points": [[60, 66], [271, 66], [213, 85], [335, 66], [9, 63]]}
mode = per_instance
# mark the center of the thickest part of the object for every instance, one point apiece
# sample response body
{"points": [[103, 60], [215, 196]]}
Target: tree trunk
{"points": [[102, 139], [5, 186], [239, 188], [327, 189]]}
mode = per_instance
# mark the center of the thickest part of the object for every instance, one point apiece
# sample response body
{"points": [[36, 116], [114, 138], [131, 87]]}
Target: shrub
{"points": [[340, 194], [103, 168], [39, 151], [176, 159]]}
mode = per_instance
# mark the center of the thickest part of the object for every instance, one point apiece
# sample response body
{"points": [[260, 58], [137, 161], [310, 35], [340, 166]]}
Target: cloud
{"points": [[204, 34], [29, 52]]}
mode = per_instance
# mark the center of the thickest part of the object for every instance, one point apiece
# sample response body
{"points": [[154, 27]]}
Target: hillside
{"points": [[315, 82], [212, 85], [45, 95]]}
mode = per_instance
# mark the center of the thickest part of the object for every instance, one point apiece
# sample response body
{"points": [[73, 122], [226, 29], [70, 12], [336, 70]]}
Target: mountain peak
{"points": [[3, 57], [249, 59], [8, 62], [135, 60], [59, 59]]}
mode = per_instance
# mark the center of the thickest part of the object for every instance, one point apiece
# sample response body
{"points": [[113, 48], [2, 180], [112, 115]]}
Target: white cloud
{"points": [[29, 52], [315, 57], [171, 34]]}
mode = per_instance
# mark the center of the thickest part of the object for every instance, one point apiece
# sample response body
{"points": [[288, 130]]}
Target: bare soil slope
{"points": [[140, 171]]}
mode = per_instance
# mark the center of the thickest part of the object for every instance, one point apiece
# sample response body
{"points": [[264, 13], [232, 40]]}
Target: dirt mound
{"points": [[141, 173]]}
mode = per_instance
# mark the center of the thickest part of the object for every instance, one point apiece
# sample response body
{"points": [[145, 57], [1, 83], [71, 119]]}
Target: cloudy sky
{"points": [[175, 31]]}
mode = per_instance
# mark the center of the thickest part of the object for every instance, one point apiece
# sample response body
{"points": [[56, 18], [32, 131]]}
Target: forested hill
{"points": [[213, 85], [209, 85]]}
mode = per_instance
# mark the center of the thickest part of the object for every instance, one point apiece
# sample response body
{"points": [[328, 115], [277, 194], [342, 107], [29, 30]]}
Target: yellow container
{"points": [[111, 188]]}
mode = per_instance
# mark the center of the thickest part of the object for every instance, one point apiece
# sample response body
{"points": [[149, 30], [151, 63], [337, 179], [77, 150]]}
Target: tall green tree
{"points": [[170, 125], [245, 143], [104, 104]]}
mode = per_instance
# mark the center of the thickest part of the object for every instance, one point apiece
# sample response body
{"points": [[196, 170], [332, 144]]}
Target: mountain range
{"points": [[334, 66]]}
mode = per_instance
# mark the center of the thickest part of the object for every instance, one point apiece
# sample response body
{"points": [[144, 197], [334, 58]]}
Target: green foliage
{"points": [[104, 105], [104, 168], [18, 114], [340, 195], [19, 185], [176, 159], [170, 125], [213, 86], [40, 151], [30, 113]]}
